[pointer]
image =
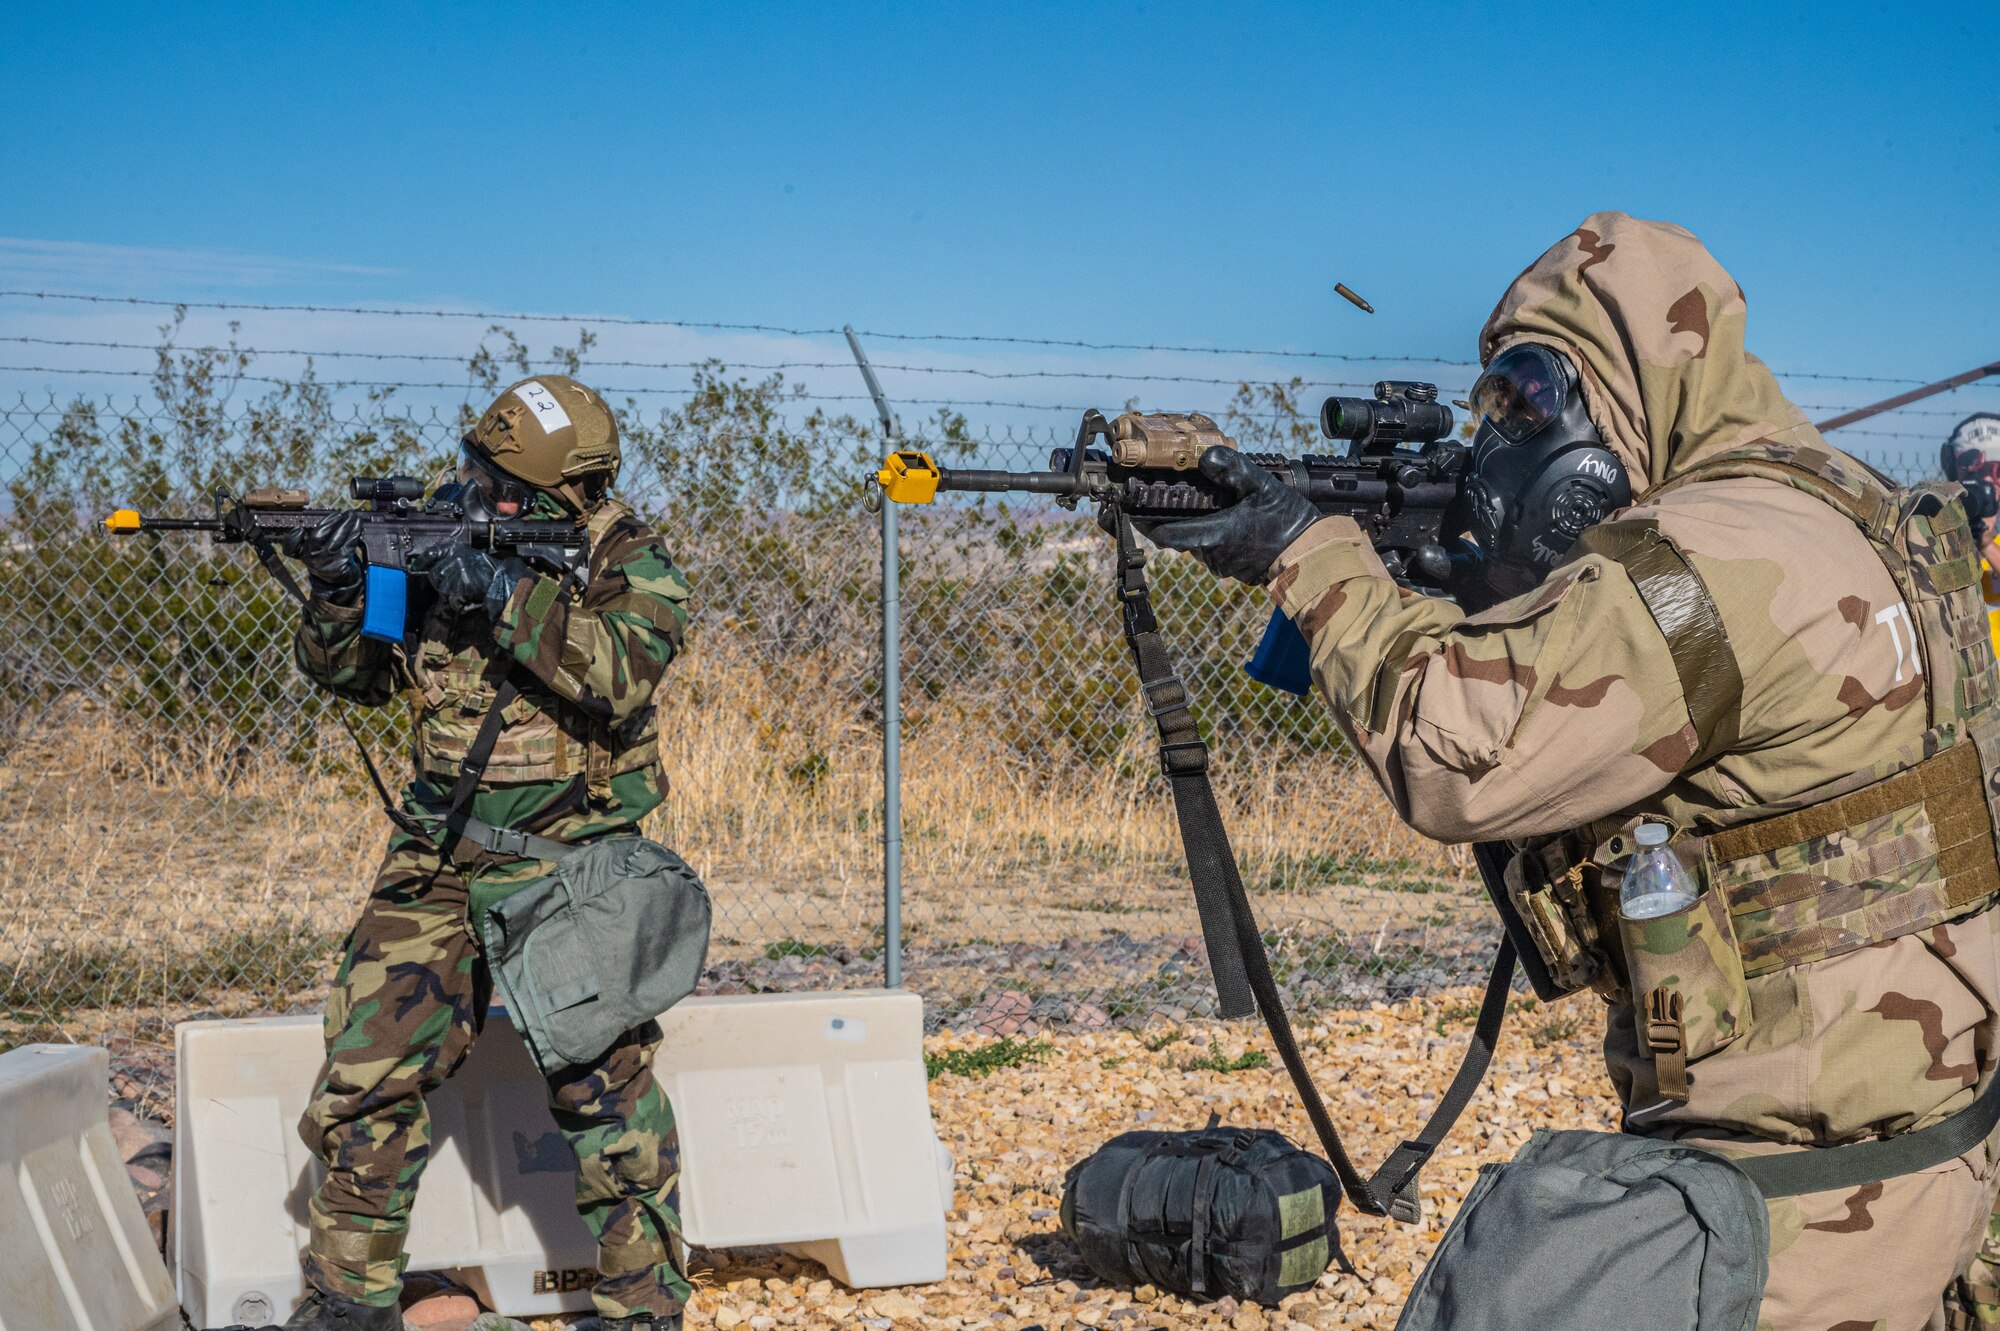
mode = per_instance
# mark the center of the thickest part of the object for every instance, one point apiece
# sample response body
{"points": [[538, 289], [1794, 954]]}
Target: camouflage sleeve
{"points": [[1537, 715], [607, 651], [330, 651]]}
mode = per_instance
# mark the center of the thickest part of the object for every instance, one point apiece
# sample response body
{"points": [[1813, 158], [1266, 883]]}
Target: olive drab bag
{"points": [[1586, 1230], [1594, 1230], [615, 936]]}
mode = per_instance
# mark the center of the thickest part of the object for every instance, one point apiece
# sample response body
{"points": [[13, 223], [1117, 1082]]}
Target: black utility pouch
{"points": [[1236, 1211]]}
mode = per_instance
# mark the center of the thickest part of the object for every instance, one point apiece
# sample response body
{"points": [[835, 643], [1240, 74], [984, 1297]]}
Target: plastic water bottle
{"points": [[1655, 884]]}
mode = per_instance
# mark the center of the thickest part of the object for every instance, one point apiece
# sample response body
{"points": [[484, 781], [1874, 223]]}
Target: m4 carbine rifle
{"points": [[1400, 481], [401, 533], [1397, 479]]}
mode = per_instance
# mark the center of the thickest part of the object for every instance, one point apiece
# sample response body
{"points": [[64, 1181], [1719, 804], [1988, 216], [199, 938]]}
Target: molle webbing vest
{"points": [[456, 676], [1898, 847]]}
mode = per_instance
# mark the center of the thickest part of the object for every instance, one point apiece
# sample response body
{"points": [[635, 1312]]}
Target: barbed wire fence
{"points": [[186, 830]]}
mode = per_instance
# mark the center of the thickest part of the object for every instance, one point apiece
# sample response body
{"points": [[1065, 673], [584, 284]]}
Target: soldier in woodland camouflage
{"points": [[577, 758], [1785, 659]]}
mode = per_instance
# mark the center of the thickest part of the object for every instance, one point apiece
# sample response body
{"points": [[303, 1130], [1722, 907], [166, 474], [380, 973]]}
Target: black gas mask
{"points": [[502, 494], [1538, 474]]}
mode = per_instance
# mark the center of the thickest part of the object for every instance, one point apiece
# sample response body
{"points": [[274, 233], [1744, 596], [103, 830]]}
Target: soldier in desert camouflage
{"points": [[1718, 621], [577, 758]]}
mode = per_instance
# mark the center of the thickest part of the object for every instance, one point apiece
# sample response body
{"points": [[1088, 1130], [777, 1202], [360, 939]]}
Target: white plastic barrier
{"points": [[803, 1123], [75, 1253], [497, 1197]]}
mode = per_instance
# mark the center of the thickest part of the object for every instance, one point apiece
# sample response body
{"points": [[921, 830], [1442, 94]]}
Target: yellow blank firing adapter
{"points": [[909, 478], [124, 520]]}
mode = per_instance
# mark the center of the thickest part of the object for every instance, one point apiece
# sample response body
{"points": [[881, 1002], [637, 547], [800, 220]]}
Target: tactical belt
{"points": [[1949, 788], [1236, 956], [1830, 1168]]}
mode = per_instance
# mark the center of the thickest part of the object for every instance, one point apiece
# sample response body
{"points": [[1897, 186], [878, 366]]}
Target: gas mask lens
{"points": [[1521, 391], [505, 496]]}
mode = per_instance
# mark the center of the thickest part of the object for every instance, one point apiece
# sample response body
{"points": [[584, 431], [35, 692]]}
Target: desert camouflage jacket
{"points": [[1562, 710]]}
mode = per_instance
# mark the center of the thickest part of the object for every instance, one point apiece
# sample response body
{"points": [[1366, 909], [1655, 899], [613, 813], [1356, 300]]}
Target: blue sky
{"points": [[1130, 173]]}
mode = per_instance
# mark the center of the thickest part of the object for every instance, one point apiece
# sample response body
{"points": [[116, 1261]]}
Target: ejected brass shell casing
{"points": [[1172, 441], [1353, 297]]}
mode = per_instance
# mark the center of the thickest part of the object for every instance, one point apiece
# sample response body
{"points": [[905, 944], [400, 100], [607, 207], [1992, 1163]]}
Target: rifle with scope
{"points": [[1400, 481], [1397, 478], [401, 533]]}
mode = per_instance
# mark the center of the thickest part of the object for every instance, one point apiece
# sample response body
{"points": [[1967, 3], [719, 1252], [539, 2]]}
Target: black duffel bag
{"points": [[1236, 1211]]}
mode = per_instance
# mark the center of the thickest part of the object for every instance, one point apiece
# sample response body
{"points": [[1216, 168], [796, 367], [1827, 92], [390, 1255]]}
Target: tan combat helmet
{"points": [[556, 435]]}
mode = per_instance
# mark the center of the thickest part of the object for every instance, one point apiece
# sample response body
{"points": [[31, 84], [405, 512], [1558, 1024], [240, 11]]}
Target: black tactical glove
{"points": [[507, 575], [327, 549], [466, 578], [1243, 540]]}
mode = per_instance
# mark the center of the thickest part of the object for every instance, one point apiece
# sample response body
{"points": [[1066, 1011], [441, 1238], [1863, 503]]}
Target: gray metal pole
{"points": [[892, 699], [1905, 399]]}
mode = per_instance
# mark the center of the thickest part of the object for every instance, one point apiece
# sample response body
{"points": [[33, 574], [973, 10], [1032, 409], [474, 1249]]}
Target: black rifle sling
{"points": [[1235, 945], [1184, 762], [459, 824]]}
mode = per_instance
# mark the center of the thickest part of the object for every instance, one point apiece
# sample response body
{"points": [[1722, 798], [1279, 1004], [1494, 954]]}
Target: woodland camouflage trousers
{"points": [[408, 1002]]}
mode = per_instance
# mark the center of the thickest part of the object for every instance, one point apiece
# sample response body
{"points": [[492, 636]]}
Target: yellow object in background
{"points": [[1992, 595], [909, 478]]}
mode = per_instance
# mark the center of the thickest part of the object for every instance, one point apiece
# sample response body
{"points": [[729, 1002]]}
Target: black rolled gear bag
{"points": [[1222, 1211]]}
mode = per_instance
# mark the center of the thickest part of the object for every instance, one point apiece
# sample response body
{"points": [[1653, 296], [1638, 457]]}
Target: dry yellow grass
{"points": [[113, 839]]}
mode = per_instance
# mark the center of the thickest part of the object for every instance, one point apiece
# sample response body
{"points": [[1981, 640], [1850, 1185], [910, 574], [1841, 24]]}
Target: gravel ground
{"points": [[1018, 1129]]}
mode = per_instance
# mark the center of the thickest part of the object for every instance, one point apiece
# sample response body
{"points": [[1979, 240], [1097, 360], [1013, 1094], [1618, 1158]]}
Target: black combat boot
{"points": [[635, 1322], [329, 1312]]}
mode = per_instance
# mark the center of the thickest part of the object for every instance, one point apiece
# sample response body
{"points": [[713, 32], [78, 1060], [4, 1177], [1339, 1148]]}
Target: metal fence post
{"points": [[892, 699]]}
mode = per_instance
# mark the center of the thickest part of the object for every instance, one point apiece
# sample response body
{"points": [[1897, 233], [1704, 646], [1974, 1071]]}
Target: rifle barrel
{"points": [[179, 524], [125, 521], [1034, 482]]}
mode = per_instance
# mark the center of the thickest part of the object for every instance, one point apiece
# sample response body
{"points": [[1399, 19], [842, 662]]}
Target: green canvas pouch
{"points": [[1586, 1230], [615, 936]]}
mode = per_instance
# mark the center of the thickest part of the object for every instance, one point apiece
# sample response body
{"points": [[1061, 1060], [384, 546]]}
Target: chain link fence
{"points": [[185, 830]]}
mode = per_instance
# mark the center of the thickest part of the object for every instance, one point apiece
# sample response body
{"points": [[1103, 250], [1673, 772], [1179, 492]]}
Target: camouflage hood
{"points": [[1655, 327]]}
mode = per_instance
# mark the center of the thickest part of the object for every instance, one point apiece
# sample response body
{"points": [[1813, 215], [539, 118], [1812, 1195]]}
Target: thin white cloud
{"points": [[131, 269]]}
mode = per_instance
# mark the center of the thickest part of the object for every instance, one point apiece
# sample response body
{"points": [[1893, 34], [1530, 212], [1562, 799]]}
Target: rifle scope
{"points": [[385, 489], [1401, 414]]}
